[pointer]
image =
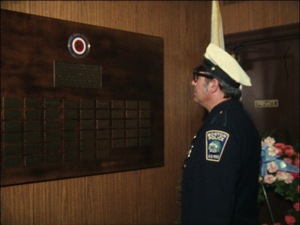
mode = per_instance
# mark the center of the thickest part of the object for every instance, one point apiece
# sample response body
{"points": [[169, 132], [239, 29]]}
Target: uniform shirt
{"points": [[220, 174]]}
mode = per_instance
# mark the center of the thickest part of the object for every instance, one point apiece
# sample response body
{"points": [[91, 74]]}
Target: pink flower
{"points": [[272, 167], [281, 175], [297, 206], [290, 220], [289, 179], [284, 176], [269, 179], [280, 148], [279, 145]]}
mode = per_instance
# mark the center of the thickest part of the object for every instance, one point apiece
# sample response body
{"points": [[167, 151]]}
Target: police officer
{"points": [[220, 174]]}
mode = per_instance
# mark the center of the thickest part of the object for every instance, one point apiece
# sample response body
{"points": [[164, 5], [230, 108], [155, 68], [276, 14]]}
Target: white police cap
{"points": [[221, 64]]}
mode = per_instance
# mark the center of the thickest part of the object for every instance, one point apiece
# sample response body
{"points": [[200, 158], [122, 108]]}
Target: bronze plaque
{"points": [[77, 105], [77, 75]]}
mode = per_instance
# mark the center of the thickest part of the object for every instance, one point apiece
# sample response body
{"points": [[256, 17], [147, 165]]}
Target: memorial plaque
{"points": [[77, 75], [77, 99]]}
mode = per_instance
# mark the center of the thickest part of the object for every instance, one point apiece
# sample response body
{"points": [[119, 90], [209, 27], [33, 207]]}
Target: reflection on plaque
{"points": [[77, 75]]}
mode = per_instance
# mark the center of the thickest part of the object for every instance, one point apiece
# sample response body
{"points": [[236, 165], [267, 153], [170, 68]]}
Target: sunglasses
{"points": [[197, 74]]}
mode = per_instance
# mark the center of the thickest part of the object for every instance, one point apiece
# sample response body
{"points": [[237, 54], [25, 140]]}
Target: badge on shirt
{"points": [[215, 144]]}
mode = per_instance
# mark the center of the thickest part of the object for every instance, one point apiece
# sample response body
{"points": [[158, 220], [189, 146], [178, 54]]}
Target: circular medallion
{"points": [[79, 46]]}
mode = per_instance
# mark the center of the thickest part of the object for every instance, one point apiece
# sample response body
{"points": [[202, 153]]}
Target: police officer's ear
{"points": [[214, 85]]}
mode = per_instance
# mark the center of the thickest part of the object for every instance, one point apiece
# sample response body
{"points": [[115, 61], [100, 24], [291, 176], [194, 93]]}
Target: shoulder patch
{"points": [[215, 144]]}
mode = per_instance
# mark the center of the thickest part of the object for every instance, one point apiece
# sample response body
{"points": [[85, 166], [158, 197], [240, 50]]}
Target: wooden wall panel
{"points": [[244, 16], [144, 196], [137, 197]]}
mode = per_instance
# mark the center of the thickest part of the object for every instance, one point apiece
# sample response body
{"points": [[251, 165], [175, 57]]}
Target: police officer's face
{"points": [[200, 89]]}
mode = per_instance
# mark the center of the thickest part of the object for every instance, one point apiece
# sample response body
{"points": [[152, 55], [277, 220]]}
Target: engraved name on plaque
{"points": [[77, 75]]}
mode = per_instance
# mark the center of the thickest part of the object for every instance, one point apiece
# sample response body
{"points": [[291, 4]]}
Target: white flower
{"points": [[272, 151], [269, 141]]}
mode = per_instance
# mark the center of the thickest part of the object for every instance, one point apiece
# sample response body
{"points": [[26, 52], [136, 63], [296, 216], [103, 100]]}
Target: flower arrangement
{"points": [[280, 173]]}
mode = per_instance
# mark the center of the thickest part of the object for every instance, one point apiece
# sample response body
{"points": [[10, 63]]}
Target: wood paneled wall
{"points": [[243, 16], [144, 196], [136, 197]]}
